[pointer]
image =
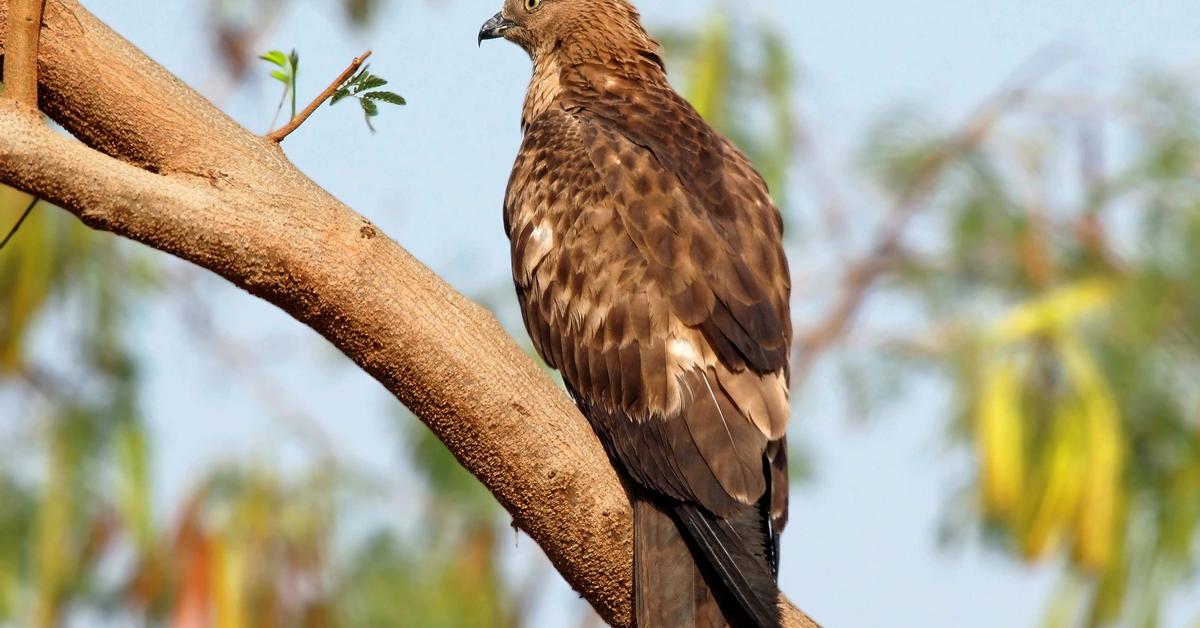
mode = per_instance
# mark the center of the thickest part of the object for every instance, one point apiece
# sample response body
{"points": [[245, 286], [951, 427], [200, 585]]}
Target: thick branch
{"points": [[196, 185], [293, 124]]}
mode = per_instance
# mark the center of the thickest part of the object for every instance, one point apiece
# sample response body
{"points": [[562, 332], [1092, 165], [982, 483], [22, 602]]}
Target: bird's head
{"points": [[545, 26]]}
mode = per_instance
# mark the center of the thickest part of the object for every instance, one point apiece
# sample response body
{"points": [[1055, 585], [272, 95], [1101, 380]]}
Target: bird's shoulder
{"points": [[698, 213]]}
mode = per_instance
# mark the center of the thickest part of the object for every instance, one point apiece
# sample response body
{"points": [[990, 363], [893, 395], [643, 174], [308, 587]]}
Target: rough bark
{"points": [[23, 31], [156, 163]]}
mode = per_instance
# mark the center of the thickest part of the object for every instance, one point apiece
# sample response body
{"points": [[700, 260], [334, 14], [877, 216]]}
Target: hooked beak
{"points": [[495, 27]]}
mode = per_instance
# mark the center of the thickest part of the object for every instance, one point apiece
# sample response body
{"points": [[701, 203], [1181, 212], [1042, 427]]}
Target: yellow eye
{"points": [[532, 5]]}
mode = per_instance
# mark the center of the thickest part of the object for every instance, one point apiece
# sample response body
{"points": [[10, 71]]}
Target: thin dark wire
{"points": [[20, 220]]}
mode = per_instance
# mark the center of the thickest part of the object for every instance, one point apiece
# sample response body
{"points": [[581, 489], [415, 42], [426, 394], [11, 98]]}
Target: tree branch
{"points": [[160, 165], [293, 124], [21, 52]]}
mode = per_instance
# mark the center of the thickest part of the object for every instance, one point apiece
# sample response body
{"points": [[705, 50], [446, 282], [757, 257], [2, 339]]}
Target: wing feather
{"points": [[655, 232]]}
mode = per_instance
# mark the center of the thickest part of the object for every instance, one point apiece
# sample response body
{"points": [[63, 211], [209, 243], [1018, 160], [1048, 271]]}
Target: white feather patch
{"points": [[685, 353], [541, 241]]}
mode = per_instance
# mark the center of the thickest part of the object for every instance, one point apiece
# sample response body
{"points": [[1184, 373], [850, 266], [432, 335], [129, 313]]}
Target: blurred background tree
{"points": [[1049, 246], [1062, 297]]}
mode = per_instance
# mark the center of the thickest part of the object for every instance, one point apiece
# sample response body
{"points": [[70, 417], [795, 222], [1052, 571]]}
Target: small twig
{"points": [[46, 384], [279, 109], [293, 124], [856, 283], [20, 220], [21, 50]]}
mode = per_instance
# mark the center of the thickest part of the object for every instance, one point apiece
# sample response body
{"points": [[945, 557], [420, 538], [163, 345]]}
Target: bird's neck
{"points": [[571, 76], [544, 88]]}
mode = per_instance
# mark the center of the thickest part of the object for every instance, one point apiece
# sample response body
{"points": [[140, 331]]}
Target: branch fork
{"points": [[278, 134]]}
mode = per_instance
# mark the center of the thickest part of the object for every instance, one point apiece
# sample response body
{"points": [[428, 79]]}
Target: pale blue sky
{"points": [[861, 549]]}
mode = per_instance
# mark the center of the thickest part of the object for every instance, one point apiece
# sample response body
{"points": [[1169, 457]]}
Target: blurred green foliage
{"points": [[82, 414], [364, 87], [1064, 295], [248, 546]]}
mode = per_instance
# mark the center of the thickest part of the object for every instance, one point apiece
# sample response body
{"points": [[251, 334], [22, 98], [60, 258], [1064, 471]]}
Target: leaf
{"points": [[276, 57], [1096, 518], [999, 436], [341, 93], [1050, 510], [370, 110], [388, 97], [1060, 307], [358, 78], [229, 573], [370, 81], [282, 77], [709, 85], [132, 453]]}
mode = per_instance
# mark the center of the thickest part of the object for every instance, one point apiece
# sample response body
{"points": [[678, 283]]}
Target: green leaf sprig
{"points": [[364, 87], [289, 65]]}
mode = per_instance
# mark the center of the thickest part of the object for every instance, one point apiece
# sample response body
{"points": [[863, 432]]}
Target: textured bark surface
{"points": [[156, 163]]}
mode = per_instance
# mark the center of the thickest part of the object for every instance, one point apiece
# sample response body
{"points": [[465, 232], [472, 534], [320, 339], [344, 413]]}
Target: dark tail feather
{"points": [[663, 581], [728, 583], [737, 562]]}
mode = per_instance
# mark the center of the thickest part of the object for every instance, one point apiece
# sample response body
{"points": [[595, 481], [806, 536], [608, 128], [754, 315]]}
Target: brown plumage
{"points": [[648, 263]]}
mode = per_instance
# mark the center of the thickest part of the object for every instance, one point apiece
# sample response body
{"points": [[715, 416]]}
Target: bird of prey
{"points": [[648, 262]]}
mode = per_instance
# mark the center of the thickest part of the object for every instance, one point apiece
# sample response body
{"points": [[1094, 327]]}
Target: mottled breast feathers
{"points": [[648, 261]]}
